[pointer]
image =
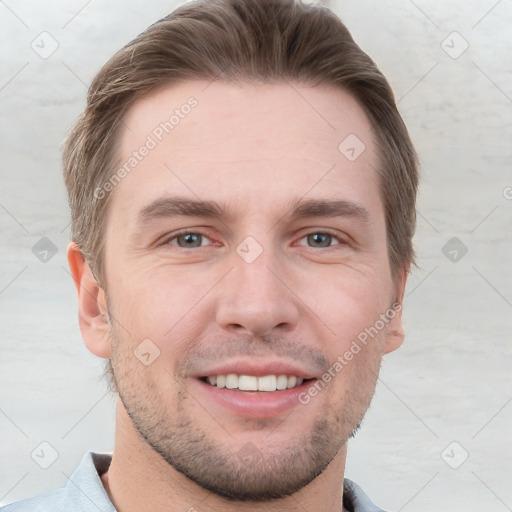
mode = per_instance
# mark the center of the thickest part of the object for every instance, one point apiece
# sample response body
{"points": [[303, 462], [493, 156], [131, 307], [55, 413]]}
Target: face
{"points": [[245, 256]]}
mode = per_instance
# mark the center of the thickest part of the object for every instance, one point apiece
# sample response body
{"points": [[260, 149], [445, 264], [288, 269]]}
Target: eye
{"points": [[188, 240], [320, 239]]}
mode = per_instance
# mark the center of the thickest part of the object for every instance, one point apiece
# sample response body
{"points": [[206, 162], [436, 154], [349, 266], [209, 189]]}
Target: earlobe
{"points": [[394, 338], [92, 308], [395, 333]]}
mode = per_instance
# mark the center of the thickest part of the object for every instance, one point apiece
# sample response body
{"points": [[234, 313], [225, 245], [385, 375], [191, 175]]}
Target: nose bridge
{"points": [[253, 297], [252, 271]]}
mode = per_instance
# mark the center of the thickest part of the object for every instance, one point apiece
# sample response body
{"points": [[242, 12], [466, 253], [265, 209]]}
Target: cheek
{"points": [[167, 308], [353, 374], [351, 302], [356, 305], [156, 301]]}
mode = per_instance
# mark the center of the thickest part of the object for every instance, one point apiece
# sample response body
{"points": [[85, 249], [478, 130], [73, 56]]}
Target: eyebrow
{"points": [[300, 209], [175, 206], [167, 207]]}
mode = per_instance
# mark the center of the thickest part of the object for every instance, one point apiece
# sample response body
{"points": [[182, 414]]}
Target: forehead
{"points": [[283, 112], [207, 139]]}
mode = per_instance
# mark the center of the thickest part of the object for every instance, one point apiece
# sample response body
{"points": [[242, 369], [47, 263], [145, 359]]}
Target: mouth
{"points": [[252, 396], [253, 387], [253, 383]]}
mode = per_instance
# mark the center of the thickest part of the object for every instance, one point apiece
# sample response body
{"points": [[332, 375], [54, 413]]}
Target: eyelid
{"points": [[168, 239], [324, 231]]}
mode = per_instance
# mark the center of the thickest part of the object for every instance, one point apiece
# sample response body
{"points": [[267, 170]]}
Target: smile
{"points": [[267, 383]]}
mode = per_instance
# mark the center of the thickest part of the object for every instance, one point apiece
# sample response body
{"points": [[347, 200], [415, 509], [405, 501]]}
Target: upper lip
{"points": [[257, 369]]}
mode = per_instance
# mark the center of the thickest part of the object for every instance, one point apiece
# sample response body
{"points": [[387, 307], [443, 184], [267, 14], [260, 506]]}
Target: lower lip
{"points": [[254, 404]]}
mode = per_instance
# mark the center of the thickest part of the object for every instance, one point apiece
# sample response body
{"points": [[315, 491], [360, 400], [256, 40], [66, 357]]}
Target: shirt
{"points": [[84, 492]]}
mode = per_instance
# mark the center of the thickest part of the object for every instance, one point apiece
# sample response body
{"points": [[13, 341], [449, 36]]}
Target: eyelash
{"points": [[184, 233]]}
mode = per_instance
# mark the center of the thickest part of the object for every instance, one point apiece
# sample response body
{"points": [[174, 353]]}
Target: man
{"points": [[242, 191]]}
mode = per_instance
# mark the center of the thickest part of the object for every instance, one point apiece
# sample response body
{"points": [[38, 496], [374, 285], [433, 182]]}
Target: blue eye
{"points": [[321, 240], [188, 240], [194, 240]]}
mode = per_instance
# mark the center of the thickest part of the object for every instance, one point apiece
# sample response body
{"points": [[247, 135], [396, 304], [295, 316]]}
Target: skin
{"points": [[253, 148]]}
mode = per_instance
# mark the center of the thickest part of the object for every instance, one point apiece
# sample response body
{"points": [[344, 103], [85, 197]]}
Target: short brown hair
{"points": [[268, 41]]}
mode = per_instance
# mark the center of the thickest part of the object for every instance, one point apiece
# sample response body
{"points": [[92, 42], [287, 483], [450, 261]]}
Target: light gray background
{"points": [[451, 379]]}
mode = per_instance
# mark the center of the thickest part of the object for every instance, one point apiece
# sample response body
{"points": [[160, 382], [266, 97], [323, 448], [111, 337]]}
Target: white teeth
{"points": [[231, 381], [252, 383], [267, 383], [282, 382], [247, 383]]}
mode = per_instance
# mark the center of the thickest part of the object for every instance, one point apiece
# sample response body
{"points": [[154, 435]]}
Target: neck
{"points": [[140, 480]]}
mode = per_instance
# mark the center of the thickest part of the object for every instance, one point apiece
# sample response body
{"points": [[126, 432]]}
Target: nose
{"points": [[256, 299]]}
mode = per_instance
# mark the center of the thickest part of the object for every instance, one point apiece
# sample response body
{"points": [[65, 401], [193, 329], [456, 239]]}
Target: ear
{"points": [[395, 332], [92, 307]]}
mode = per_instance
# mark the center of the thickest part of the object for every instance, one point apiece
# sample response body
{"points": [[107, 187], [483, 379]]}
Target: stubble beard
{"points": [[252, 473]]}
